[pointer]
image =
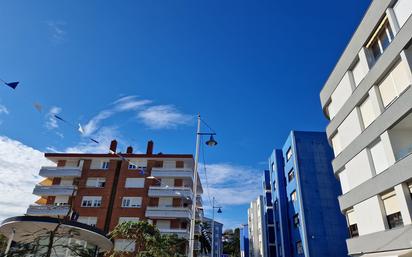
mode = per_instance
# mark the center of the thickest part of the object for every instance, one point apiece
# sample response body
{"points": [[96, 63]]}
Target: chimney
{"points": [[113, 145], [149, 150], [129, 149]]}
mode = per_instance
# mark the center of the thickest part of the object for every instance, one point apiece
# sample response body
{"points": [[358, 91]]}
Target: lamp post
{"points": [[219, 210], [210, 142]]}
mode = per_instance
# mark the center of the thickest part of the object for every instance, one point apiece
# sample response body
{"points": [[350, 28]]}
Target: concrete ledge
{"points": [[396, 111], [359, 38], [396, 174], [389, 240], [381, 67]]}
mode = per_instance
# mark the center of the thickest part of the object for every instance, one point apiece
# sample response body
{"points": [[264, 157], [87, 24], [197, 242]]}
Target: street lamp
{"points": [[219, 210], [210, 142]]}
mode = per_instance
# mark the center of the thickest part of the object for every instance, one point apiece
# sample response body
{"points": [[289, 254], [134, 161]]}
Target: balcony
{"points": [[48, 210], [181, 233], [172, 173], [50, 172], [198, 229], [168, 212], [55, 190], [197, 245], [157, 191]]}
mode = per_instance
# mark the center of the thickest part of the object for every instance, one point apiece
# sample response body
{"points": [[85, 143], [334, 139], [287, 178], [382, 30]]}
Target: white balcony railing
{"points": [[49, 172], [168, 212], [161, 191], [172, 173], [182, 233], [48, 210], [54, 190]]}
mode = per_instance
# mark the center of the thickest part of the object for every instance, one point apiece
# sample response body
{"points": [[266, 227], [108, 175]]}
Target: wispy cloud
{"points": [[51, 122], [104, 136], [21, 163], [57, 31], [3, 109], [231, 184], [128, 103], [163, 116]]}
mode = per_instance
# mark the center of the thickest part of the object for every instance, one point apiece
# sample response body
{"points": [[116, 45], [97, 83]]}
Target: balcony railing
{"points": [[168, 212], [172, 173], [54, 190], [161, 191], [182, 233], [49, 172], [197, 245], [48, 210]]}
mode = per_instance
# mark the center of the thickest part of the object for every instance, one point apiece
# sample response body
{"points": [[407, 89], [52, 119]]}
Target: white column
{"points": [[376, 100], [388, 148], [393, 22], [405, 202]]}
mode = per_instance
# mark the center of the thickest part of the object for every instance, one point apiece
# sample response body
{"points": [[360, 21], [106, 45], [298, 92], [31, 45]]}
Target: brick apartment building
{"points": [[106, 189]]}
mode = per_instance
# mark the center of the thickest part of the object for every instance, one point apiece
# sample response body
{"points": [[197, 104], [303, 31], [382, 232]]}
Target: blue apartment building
{"points": [[268, 212], [304, 192], [244, 240]]}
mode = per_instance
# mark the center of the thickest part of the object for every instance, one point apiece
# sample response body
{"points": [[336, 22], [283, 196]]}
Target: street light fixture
{"points": [[210, 142], [219, 210]]}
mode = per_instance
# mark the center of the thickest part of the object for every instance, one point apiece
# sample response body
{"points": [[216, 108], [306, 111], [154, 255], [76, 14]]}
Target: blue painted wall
{"points": [[244, 241], [269, 215], [313, 219]]}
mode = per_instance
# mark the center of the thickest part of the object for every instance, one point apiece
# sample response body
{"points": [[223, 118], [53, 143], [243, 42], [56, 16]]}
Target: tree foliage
{"points": [[231, 242], [149, 241]]}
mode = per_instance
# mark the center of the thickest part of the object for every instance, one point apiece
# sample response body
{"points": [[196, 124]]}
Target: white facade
{"points": [[257, 229], [368, 99]]}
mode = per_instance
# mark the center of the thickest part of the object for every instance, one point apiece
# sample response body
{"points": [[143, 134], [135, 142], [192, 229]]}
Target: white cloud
{"points": [[57, 31], [19, 168], [230, 184], [94, 123], [127, 103], [163, 116], [104, 136], [51, 122], [3, 109]]}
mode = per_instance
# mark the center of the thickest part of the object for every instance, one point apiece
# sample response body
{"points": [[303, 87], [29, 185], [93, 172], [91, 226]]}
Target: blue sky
{"points": [[253, 69]]}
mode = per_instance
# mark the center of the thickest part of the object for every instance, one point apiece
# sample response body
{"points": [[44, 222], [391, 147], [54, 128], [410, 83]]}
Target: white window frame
{"points": [[127, 219], [105, 165], [91, 201], [127, 202], [91, 221], [129, 183], [96, 181]]}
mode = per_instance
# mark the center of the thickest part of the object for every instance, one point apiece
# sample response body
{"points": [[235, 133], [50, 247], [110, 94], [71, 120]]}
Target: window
{"points": [[293, 196], [289, 154], [358, 72], [296, 220], [91, 201], [380, 161], [299, 247], [134, 183], [291, 175], [158, 164], [96, 182], [353, 226], [394, 83], [91, 221], [127, 219], [367, 112], [105, 165], [381, 39], [393, 214], [180, 164], [131, 202], [124, 245]]}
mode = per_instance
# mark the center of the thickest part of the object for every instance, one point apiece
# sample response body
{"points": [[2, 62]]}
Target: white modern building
{"points": [[257, 229], [368, 100]]}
